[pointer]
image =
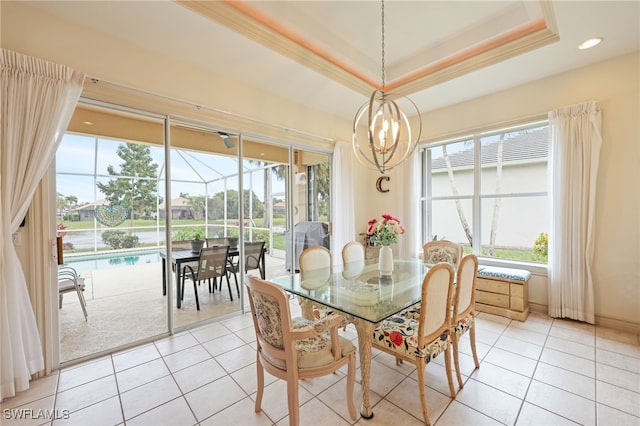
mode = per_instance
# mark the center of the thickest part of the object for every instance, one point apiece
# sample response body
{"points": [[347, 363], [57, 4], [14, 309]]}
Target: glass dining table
{"points": [[364, 297]]}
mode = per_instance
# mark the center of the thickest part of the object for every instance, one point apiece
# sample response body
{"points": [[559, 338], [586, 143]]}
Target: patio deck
{"points": [[125, 304]]}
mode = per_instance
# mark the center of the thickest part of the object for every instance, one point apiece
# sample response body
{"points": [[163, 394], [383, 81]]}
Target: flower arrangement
{"points": [[384, 232]]}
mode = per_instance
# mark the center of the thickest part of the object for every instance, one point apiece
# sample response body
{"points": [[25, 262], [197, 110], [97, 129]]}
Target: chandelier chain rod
{"points": [[383, 76]]}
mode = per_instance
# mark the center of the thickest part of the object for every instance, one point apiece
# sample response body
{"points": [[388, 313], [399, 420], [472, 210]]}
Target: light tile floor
{"points": [[540, 372]]}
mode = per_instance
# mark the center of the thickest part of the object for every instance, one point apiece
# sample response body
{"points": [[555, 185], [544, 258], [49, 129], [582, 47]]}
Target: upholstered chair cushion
{"points": [[464, 324], [412, 312], [314, 351], [400, 334]]}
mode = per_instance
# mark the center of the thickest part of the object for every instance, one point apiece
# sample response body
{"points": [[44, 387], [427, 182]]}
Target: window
{"points": [[488, 191]]}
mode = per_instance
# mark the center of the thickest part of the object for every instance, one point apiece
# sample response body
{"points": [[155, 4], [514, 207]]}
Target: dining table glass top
{"points": [[358, 288]]}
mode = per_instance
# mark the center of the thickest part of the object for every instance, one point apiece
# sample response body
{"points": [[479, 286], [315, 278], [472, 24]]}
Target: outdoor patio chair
{"points": [[68, 281], [182, 245], [217, 241], [212, 264], [253, 259]]}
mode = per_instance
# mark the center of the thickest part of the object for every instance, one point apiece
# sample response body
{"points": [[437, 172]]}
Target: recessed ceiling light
{"points": [[590, 43], [88, 123]]}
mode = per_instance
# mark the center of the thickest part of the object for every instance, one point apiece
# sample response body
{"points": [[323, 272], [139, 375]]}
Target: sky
{"points": [[76, 161]]}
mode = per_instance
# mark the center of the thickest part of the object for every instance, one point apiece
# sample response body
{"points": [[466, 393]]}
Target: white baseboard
{"points": [[600, 320]]}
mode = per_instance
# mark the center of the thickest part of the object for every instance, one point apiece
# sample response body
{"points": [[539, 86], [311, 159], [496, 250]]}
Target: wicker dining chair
{"points": [[420, 340], [464, 309]]}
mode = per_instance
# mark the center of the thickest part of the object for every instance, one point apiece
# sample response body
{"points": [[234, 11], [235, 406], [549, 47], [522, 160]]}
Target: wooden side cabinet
{"points": [[503, 291]]}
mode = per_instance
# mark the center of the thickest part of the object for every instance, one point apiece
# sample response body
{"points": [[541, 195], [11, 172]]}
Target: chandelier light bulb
{"points": [[382, 135]]}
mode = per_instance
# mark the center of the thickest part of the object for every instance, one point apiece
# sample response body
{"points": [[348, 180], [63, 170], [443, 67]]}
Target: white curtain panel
{"points": [[574, 155], [37, 99], [342, 216], [409, 208]]}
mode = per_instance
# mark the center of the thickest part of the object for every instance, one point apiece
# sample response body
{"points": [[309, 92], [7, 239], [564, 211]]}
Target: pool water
{"points": [[112, 260]]}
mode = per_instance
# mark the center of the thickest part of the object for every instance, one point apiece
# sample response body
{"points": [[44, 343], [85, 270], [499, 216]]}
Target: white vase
{"points": [[385, 261]]}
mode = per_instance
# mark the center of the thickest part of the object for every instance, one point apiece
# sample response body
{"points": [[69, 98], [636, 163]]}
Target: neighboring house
{"points": [[180, 209], [279, 208], [87, 211], [524, 170]]}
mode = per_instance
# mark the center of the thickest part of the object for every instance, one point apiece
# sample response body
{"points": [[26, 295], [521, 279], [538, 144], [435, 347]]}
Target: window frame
{"points": [[426, 197]]}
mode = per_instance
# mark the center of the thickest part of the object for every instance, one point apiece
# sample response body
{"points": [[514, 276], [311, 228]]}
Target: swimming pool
{"points": [[112, 260]]}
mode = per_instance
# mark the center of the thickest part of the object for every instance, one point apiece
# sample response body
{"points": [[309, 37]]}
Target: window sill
{"points": [[534, 268]]}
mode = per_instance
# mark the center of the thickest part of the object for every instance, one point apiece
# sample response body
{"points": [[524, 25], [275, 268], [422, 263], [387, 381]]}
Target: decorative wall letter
{"points": [[379, 183]]}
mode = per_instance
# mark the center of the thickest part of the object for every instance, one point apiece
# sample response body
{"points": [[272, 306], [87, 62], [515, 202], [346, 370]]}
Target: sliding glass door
{"points": [[124, 178], [107, 214]]}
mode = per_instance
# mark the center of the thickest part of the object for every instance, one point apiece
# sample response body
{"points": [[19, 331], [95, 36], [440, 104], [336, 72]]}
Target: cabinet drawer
{"points": [[517, 304], [517, 290], [492, 286], [494, 299]]}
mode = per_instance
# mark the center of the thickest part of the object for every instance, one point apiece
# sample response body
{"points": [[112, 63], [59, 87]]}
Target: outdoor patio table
{"points": [[178, 258], [364, 297]]}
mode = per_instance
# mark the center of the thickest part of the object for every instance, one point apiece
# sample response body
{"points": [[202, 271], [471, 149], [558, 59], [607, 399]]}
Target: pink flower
{"points": [[384, 232], [371, 229]]}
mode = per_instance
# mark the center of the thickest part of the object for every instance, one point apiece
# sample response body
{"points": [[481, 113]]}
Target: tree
{"points": [[135, 185], [197, 204], [280, 173], [320, 187], [216, 204], [497, 200], [65, 203], [454, 192]]}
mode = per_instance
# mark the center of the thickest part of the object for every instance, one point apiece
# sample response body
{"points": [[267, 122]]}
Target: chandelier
{"points": [[382, 135]]}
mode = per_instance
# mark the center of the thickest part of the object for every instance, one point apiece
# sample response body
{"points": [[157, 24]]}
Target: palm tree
{"points": [[280, 173], [497, 200], [455, 193]]}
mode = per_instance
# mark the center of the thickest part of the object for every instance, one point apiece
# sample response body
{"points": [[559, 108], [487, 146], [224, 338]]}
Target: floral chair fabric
{"points": [[437, 255], [401, 334], [463, 325], [442, 251]]}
